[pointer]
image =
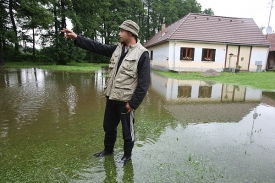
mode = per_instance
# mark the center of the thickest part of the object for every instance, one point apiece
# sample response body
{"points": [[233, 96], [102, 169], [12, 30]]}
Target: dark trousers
{"points": [[115, 112]]}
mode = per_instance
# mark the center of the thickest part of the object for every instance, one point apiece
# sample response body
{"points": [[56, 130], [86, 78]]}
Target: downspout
{"points": [[175, 42]]}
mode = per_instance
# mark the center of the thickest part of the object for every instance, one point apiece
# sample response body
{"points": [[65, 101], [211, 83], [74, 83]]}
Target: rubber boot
{"points": [[128, 146], [109, 143], [108, 150]]}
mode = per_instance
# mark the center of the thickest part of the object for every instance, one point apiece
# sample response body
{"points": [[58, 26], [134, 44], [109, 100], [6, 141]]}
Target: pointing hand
{"points": [[69, 33]]}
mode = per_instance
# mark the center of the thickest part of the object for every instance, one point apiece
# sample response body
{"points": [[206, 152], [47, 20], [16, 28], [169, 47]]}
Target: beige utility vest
{"points": [[122, 85]]}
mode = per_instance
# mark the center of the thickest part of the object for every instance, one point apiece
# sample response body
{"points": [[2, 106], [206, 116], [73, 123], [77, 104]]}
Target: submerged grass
{"points": [[260, 80]]}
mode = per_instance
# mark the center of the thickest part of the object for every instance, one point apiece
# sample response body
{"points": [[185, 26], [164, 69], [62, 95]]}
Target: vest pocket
{"points": [[129, 73], [126, 77], [111, 65], [113, 61], [123, 94], [129, 63], [110, 73]]}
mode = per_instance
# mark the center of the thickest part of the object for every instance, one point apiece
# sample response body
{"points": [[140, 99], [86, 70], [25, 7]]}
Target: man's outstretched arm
{"points": [[88, 44]]}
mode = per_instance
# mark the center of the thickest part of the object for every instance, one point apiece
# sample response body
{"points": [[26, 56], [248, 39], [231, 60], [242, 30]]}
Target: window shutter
{"points": [[181, 51], [214, 55]]}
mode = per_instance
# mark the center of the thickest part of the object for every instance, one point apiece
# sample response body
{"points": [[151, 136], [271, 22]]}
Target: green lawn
{"points": [[260, 80], [70, 67]]}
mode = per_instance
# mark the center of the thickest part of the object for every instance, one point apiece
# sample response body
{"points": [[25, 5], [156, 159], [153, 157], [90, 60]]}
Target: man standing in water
{"points": [[127, 84]]}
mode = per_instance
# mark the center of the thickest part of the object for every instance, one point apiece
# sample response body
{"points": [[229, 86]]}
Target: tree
{"points": [[13, 7], [190, 6], [53, 40], [98, 20], [33, 15], [262, 28], [3, 22], [208, 11], [171, 10]]}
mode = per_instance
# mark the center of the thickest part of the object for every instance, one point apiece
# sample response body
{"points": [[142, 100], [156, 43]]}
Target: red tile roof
{"points": [[216, 29], [271, 39]]}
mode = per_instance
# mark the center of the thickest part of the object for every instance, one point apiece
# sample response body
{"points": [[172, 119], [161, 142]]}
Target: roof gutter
{"points": [[174, 56], [199, 41], [239, 44]]}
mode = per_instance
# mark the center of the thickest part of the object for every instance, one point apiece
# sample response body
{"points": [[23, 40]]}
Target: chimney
{"points": [[163, 27]]}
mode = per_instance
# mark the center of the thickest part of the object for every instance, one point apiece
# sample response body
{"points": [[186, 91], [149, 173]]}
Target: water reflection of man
{"points": [[110, 170], [127, 84], [128, 174], [111, 174]]}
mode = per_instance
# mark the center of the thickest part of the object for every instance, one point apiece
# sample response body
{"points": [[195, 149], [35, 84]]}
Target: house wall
{"points": [[197, 64], [258, 54], [167, 57], [160, 55]]}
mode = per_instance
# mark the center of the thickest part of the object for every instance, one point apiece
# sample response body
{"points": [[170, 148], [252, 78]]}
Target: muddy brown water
{"points": [[186, 131]]}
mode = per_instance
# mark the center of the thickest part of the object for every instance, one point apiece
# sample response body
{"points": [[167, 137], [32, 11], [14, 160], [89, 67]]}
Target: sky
{"points": [[259, 10]]}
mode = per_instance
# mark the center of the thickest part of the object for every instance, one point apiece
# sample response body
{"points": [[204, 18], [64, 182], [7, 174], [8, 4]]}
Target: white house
{"points": [[200, 42]]}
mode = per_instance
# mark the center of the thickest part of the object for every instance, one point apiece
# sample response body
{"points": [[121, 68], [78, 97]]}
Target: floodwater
{"points": [[186, 131]]}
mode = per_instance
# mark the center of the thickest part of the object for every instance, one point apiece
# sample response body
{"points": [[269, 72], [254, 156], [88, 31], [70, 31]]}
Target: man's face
{"points": [[124, 36]]}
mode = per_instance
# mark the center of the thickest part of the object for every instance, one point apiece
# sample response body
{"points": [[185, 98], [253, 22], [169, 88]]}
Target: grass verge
{"points": [[259, 80], [70, 67]]}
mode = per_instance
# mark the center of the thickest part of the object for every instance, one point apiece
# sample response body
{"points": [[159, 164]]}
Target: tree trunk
{"points": [[16, 48], [55, 22], [63, 18], [33, 45], [148, 19], [2, 62]]}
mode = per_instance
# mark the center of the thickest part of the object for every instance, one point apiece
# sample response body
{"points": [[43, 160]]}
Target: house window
{"points": [[205, 91], [151, 56], [184, 91], [187, 53], [208, 54]]}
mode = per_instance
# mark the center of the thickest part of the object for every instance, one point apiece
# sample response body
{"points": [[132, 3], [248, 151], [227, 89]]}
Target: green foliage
{"points": [[33, 15], [25, 21], [10, 55], [170, 10], [208, 11]]}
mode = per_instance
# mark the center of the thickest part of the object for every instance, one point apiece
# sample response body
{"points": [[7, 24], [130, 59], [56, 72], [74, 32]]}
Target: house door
{"points": [[244, 57], [231, 61]]}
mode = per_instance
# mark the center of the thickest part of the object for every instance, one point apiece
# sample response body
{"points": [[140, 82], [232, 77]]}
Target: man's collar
{"points": [[131, 46], [134, 45]]}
